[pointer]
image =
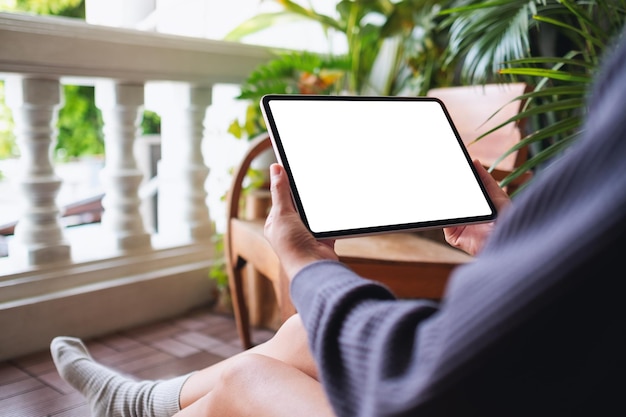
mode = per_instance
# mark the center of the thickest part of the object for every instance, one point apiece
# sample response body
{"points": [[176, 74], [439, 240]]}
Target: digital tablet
{"points": [[363, 165]]}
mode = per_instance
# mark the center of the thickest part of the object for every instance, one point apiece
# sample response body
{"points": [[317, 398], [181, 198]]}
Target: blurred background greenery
{"points": [[79, 122], [400, 47], [406, 47]]}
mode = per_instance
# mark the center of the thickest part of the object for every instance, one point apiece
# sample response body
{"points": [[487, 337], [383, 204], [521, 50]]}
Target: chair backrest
{"points": [[471, 109]]}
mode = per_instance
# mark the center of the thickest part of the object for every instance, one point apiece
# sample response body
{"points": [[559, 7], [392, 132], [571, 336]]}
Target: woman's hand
{"points": [[293, 243], [471, 238]]}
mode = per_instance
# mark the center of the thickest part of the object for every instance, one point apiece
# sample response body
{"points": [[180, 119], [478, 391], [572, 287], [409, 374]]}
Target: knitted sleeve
{"points": [[535, 322]]}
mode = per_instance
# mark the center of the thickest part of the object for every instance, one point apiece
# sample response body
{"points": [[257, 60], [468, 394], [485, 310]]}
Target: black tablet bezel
{"points": [[283, 159]]}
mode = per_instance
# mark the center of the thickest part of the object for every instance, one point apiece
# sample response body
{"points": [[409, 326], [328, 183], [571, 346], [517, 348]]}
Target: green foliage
{"points": [[68, 8], [553, 45], [150, 123], [289, 73], [506, 40], [79, 124], [406, 30], [217, 272], [8, 148]]}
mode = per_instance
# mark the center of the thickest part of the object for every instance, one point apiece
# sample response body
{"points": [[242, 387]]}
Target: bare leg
{"points": [[258, 385], [289, 345], [110, 392]]}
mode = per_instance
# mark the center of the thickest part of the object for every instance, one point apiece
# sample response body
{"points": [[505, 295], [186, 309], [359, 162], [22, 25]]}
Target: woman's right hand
{"points": [[472, 238], [293, 243]]}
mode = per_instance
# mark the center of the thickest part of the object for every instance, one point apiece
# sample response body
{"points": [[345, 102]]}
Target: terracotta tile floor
{"points": [[31, 387]]}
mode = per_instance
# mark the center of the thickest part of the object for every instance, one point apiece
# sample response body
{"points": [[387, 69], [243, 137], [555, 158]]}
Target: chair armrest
{"points": [[257, 146]]}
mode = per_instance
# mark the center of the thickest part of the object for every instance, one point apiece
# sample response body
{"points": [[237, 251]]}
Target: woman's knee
{"points": [[236, 387], [266, 386], [292, 327], [246, 370]]}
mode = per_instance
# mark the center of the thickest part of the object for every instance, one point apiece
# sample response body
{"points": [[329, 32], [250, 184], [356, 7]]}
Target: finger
{"points": [[328, 242], [279, 188], [499, 197], [485, 176]]}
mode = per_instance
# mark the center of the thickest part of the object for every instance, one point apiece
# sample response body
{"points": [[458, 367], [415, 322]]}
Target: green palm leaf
{"points": [[487, 35], [493, 39], [548, 73], [260, 22]]}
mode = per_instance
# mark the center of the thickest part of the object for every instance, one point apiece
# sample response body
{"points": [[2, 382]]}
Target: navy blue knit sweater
{"points": [[535, 326]]}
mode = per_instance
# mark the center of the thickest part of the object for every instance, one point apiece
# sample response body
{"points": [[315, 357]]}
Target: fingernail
{"points": [[274, 170]]}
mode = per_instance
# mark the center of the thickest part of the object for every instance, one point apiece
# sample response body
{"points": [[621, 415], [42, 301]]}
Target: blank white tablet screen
{"points": [[368, 164]]}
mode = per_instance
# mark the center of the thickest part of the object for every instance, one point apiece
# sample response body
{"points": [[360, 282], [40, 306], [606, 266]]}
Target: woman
{"points": [[533, 326]]}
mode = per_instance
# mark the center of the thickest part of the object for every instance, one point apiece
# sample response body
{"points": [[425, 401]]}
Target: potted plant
{"points": [[392, 48], [553, 45], [388, 43], [289, 73]]}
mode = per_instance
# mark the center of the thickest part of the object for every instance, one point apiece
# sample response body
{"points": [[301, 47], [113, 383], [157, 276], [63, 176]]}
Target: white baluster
{"points": [[121, 106], [39, 237], [183, 211]]}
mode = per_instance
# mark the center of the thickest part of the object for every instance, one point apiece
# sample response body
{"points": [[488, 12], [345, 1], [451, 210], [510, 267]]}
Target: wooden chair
{"points": [[410, 264]]}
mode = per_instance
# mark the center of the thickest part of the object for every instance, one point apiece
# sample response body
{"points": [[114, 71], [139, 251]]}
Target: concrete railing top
{"points": [[60, 47]]}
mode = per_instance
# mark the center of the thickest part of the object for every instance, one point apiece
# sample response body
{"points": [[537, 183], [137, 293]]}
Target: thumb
{"points": [[499, 197], [279, 188]]}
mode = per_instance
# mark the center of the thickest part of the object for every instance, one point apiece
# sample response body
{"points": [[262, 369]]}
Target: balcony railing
{"points": [[119, 273]]}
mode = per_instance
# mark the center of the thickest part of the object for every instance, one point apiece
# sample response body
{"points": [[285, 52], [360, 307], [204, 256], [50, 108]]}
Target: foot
{"points": [[108, 392]]}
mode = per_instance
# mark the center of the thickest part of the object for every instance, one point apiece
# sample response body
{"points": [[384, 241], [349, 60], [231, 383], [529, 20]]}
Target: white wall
{"points": [[118, 13], [215, 18], [212, 19]]}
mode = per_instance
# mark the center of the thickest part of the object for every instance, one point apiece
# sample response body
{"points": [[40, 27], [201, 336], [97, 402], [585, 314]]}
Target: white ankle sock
{"points": [[109, 393]]}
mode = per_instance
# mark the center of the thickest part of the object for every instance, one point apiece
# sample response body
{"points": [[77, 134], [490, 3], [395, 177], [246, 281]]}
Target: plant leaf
{"points": [[258, 23]]}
